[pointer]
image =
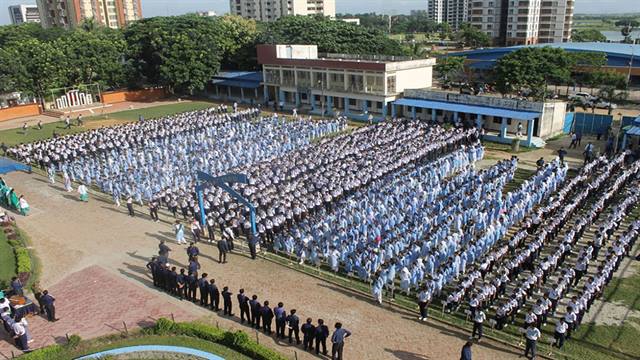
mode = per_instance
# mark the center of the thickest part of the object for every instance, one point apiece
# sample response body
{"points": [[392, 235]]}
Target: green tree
{"points": [[237, 40], [330, 36], [531, 69], [12, 34], [181, 52], [610, 95], [33, 67], [587, 35], [448, 66], [94, 57], [469, 36]]}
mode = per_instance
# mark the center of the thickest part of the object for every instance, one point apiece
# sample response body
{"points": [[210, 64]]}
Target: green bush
{"points": [[74, 341], [47, 353], [238, 340], [23, 260]]}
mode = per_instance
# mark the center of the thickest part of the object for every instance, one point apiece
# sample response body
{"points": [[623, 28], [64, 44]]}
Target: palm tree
{"points": [[610, 95]]}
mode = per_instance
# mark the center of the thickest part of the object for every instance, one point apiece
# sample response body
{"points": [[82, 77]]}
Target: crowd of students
{"points": [[519, 266]]}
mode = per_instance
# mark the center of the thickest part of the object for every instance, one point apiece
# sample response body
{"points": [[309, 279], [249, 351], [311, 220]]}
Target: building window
{"points": [[391, 84]]}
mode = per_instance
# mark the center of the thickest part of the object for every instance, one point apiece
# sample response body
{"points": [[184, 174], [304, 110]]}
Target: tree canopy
{"points": [[529, 70], [588, 35], [330, 36], [469, 36]]}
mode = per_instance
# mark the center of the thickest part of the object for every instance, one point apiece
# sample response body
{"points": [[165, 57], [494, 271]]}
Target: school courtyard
{"points": [[92, 259]]}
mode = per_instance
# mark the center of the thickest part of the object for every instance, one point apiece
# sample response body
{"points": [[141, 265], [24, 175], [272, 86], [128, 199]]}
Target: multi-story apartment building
{"points": [[24, 14], [453, 12], [270, 10], [296, 76], [70, 13], [556, 21], [523, 22]]}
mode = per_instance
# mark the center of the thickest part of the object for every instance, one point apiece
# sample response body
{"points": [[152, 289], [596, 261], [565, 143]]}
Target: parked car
{"points": [[601, 104], [584, 96]]}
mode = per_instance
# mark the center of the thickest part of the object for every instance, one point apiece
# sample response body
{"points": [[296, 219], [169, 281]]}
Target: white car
{"points": [[601, 104], [584, 96]]}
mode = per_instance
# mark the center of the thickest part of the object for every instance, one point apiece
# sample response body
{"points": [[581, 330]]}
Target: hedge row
{"points": [[238, 340], [58, 352], [23, 259]]}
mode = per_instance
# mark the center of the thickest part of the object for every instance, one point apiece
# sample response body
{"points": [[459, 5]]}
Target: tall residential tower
{"points": [[70, 13], [271, 10]]}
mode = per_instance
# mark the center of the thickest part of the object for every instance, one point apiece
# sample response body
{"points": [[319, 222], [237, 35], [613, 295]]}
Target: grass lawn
{"points": [[7, 260], [87, 347], [156, 111], [94, 346], [13, 137], [490, 145]]}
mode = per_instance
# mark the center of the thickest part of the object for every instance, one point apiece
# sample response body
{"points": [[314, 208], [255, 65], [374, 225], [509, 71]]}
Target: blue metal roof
{"points": [[618, 55], [243, 79], [471, 109]]}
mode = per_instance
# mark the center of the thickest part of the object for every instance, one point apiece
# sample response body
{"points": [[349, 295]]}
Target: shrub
{"points": [[238, 340], [74, 341], [23, 260]]}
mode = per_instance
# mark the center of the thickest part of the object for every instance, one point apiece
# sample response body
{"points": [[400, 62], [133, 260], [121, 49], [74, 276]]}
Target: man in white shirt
{"points": [[478, 320], [424, 297], [532, 335], [560, 332]]}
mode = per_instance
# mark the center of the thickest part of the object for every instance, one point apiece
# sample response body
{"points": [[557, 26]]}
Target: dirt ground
{"points": [[70, 236]]}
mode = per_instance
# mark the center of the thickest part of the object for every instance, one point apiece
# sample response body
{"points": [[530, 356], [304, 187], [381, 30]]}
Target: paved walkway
{"points": [[70, 236], [96, 302]]}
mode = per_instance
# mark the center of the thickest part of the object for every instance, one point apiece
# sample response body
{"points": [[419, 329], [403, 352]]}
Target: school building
{"points": [[378, 87], [296, 76]]}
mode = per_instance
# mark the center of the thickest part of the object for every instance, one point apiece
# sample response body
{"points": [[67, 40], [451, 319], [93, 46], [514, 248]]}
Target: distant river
{"points": [[615, 36]]}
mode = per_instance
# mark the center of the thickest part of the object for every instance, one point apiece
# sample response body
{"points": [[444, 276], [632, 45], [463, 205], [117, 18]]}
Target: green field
{"points": [[156, 111], [7, 261], [17, 136]]}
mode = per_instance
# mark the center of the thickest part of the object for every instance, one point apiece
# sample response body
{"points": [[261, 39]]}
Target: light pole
{"points": [[321, 85]]}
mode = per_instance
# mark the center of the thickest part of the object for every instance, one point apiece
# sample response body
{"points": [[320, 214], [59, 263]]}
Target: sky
{"points": [[177, 7]]}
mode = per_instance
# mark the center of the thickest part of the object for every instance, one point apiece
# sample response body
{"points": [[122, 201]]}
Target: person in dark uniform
{"points": [[192, 251], [194, 266], [153, 266], [243, 303], [48, 302], [253, 243], [255, 311], [337, 341], [465, 353], [214, 295], [181, 284], [267, 317], [163, 252], [308, 334], [226, 301], [163, 273], [153, 211], [192, 285], [322, 333], [203, 285], [223, 249], [281, 319], [173, 281], [294, 326]]}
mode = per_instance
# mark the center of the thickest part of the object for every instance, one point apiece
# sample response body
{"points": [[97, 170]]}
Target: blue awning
{"points": [[7, 165], [470, 109], [634, 130], [240, 79]]}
